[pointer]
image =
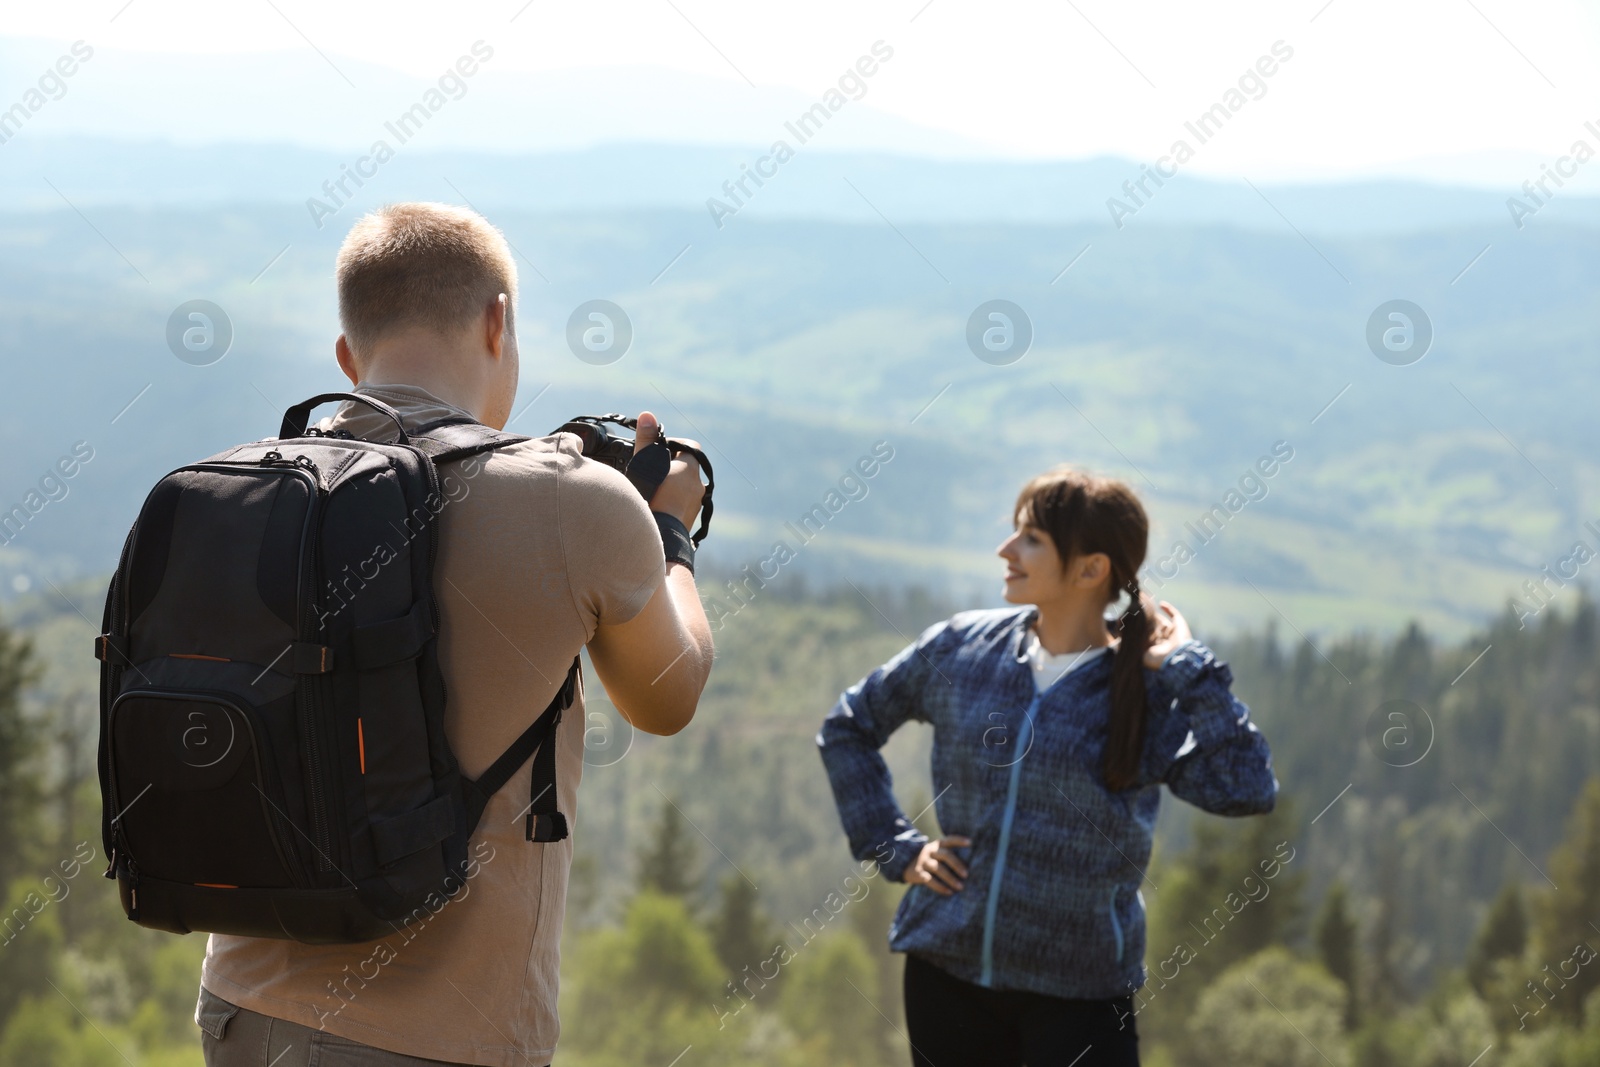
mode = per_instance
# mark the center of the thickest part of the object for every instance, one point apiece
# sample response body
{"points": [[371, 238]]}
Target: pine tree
{"points": [[1566, 916], [1336, 939], [824, 1001], [870, 919], [739, 931], [1236, 890], [1503, 935], [1271, 1010], [20, 789], [30, 945], [1408, 665], [666, 865], [644, 991], [1385, 989]]}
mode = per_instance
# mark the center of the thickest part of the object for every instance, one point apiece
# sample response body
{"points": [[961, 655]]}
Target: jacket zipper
{"points": [[992, 904], [1116, 925]]}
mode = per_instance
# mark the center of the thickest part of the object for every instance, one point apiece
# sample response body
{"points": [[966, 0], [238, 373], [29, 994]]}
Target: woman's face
{"points": [[1035, 573], [1033, 567]]}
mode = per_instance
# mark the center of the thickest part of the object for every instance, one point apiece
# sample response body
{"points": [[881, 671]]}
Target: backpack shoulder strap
{"points": [[545, 823], [456, 437]]}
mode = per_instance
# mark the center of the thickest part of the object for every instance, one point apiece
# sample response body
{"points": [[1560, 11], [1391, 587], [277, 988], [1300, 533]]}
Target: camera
{"points": [[646, 469]]}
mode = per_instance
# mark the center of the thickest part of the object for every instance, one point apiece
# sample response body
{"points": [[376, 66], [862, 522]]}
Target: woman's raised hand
{"points": [[937, 867], [1168, 630]]}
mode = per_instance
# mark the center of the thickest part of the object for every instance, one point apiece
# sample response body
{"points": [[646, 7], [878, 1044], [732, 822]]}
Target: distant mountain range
{"points": [[793, 306], [147, 129], [38, 168], [1174, 355]]}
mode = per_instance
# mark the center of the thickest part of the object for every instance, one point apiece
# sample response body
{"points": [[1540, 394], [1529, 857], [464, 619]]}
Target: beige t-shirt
{"points": [[542, 547]]}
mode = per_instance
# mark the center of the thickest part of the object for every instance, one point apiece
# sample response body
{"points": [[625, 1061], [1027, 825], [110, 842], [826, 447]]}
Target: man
{"points": [[544, 553]]}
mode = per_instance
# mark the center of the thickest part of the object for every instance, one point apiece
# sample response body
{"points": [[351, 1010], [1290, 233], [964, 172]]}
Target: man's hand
{"points": [[680, 494], [655, 665], [1168, 630], [937, 867]]}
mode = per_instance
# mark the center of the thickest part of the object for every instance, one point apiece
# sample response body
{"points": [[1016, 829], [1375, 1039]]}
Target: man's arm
{"points": [[655, 665]]}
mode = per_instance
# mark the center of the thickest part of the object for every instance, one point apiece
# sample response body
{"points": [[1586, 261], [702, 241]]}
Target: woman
{"points": [[1052, 732]]}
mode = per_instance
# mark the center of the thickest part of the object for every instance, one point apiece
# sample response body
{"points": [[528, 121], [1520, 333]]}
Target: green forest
{"points": [[1434, 896]]}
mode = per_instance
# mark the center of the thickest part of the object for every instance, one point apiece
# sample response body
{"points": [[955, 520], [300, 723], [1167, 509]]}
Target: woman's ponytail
{"points": [[1125, 732], [1084, 513]]}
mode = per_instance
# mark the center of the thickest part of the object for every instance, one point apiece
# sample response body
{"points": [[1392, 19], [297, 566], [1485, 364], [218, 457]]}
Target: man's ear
{"points": [[496, 319], [347, 360]]}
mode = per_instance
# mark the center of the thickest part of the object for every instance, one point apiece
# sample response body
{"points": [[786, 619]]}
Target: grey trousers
{"points": [[236, 1037]]}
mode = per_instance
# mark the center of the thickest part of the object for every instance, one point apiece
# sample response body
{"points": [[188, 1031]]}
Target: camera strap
{"points": [[649, 468]]}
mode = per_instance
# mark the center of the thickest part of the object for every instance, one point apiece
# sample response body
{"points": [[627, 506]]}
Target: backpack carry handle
{"points": [[295, 419]]}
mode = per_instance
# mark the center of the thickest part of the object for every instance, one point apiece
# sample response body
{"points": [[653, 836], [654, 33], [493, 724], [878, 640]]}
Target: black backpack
{"points": [[273, 760]]}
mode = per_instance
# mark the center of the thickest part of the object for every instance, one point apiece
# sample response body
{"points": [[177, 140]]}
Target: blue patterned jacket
{"points": [[1051, 901]]}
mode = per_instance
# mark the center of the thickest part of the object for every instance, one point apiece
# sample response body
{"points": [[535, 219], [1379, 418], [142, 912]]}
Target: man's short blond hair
{"points": [[420, 264]]}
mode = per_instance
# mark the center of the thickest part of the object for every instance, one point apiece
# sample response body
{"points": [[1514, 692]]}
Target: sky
{"points": [[1479, 90]]}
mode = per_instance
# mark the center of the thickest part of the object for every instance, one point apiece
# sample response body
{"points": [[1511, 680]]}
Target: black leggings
{"points": [[957, 1024]]}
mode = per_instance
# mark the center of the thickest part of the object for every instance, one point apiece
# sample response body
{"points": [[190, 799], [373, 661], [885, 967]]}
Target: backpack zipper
{"points": [[133, 890], [310, 719], [311, 744], [311, 723], [281, 848], [116, 626]]}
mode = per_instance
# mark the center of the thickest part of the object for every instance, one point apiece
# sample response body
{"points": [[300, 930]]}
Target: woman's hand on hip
{"points": [[937, 867]]}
